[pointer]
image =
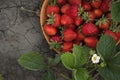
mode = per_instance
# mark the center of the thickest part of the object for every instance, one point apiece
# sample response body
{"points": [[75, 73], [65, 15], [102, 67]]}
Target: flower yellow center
{"points": [[95, 58]]}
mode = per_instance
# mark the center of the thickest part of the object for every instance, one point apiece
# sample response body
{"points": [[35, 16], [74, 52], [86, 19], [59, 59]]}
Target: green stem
{"points": [[24, 9], [54, 2], [96, 75], [92, 70], [65, 77]]}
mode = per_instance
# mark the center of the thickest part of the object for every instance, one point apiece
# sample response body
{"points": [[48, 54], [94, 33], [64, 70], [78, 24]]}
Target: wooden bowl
{"points": [[42, 21]]}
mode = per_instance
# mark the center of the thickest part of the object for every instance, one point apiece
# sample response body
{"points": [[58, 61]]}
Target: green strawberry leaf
{"points": [[114, 64], [49, 75], [109, 74], [1, 77], [115, 10], [81, 55], [116, 58], [68, 60], [90, 78], [106, 47], [81, 74], [32, 61], [54, 61]]}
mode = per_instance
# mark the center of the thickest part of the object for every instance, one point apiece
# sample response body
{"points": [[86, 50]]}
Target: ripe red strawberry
{"points": [[52, 9], [66, 20], [78, 21], [71, 26], [87, 6], [98, 13], [91, 42], [65, 7], [54, 19], [56, 38], [80, 37], [103, 23], [67, 46], [50, 30], [89, 16], [96, 3], [61, 2], [112, 34], [76, 2], [69, 35], [89, 29], [72, 11], [105, 5]]}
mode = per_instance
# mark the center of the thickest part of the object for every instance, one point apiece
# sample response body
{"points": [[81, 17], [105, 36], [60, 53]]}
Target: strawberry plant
{"points": [[89, 65], [35, 62]]}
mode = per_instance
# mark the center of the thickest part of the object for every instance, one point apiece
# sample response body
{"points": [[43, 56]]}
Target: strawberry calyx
{"points": [[115, 27], [102, 20], [80, 10], [53, 2], [62, 28], [51, 18], [55, 44], [86, 17]]}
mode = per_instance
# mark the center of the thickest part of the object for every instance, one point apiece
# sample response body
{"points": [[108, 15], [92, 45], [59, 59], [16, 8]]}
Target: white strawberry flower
{"points": [[95, 58]]}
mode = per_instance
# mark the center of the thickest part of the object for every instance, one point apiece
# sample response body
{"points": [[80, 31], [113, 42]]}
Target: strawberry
{"points": [[87, 6], [112, 34], [96, 3], [72, 11], [89, 29], [52, 9], [103, 23], [78, 21], [56, 38], [65, 7], [66, 20], [80, 36], [89, 16], [105, 5], [91, 42], [98, 13], [54, 19], [71, 26], [67, 46], [76, 2], [69, 35], [50, 30], [61, 2]]}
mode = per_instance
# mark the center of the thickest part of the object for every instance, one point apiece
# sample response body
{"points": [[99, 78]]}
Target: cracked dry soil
{"points": [[20, 33]]}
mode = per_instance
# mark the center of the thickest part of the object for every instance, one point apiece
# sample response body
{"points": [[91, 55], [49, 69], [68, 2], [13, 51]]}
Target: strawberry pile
{"points": [[80, 22]]}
